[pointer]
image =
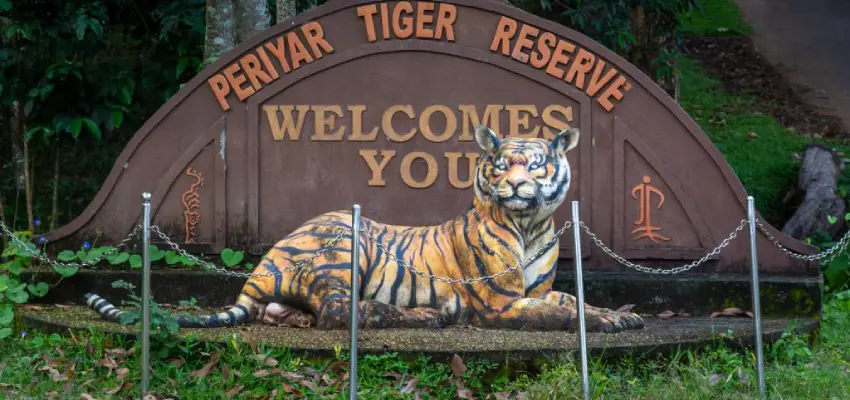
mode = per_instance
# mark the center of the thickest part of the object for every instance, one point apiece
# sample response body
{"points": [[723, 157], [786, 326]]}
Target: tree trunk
{"points": [[818, 180], [285, 10], [252, 17], [220, 36], [2, 221], [54, 216], [16, 140], [19, 129]]}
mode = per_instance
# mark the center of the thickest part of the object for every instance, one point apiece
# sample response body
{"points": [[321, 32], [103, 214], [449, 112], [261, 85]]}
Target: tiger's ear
{"points": [[486, 138], [566, 140]]}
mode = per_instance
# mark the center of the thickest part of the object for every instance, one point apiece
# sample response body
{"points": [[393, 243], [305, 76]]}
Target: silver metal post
{"points": [[355, 308], [582, 334], [146, 293], [751, 213]]}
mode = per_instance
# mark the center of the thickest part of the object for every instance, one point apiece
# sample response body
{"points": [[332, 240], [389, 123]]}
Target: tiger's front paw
{"points": [[603, 320]]}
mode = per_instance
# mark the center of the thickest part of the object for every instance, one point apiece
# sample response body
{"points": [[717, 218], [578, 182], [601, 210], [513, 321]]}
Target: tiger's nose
{"points": [[516, 177]]}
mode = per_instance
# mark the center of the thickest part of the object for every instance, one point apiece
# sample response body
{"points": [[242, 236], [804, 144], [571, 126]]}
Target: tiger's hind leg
{"points": [[377, 315], [285, 315]]}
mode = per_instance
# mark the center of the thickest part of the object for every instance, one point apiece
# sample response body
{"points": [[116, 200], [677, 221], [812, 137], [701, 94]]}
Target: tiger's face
{"points": [[525, 177]]}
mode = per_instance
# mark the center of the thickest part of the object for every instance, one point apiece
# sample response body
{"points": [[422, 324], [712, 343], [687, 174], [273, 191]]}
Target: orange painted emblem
{"points": [[643, 193]]}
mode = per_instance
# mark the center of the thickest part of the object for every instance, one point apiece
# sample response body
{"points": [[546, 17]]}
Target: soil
{"points": [[734, 61]]}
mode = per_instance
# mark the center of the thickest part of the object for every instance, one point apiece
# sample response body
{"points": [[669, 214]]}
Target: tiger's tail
{"points": [[236, 315]]}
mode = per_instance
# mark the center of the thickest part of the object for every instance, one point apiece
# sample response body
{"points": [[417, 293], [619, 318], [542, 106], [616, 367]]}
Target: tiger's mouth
{"points": [[517, 203]]}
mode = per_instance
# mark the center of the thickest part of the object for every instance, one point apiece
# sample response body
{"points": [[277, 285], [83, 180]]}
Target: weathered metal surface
{"points": [[387, 123]]}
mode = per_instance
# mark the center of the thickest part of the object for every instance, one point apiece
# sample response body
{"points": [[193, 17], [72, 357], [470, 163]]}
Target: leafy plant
{"points": [[164, 326], [14, 260]]}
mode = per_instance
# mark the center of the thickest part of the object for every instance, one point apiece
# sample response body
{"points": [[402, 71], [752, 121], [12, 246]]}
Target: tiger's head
{"points": [[527, 178]]}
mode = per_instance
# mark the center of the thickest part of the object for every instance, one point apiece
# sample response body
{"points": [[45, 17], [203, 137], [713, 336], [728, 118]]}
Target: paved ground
{"points": [[809, 41], [659, 336]]}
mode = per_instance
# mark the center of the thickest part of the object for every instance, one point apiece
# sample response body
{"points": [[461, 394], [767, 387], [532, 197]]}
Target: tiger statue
{"points": [[518, 185]]}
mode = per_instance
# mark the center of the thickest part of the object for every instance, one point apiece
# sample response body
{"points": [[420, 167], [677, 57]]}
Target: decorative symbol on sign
{"points": [[643, 193], [191, 202]]}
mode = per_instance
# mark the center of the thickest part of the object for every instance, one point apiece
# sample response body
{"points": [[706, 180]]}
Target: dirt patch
{"points": [[734, 61]]}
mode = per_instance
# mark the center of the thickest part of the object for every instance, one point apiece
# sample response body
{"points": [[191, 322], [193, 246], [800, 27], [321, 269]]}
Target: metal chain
{"points": [[225, 271], [43, 258], [827, 254], [676, 270], [521, 264]]}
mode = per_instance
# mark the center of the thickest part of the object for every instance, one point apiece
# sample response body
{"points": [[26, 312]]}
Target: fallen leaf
{"points": [[309, 384], [411, 385], [178, 362], [122, 373], [749, 314], [395, 375], [292, 375], [207, 368], [225, 372], [249, 338], [291, 390], [502, 396], [118, 352], [338, 366], [55, 376], [465, 393], [752, 135], [458, 367], [30, 307], [121, 386], [87, 396], [61, 306], [234, 391], [268, 361], [626, 308], [666, 314], [261, 373]]}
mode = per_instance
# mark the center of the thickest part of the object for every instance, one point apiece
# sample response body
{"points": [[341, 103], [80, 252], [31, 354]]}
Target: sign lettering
{"points": [[329, 124], [405, 20]]}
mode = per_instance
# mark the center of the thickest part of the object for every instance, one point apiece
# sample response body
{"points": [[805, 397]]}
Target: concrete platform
{"points": [[660, 336]]}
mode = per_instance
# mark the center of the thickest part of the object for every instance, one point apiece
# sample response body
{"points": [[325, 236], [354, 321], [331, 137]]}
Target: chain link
{"points": [[676, 270], [827, 254], [43, 258], [224, 271]]}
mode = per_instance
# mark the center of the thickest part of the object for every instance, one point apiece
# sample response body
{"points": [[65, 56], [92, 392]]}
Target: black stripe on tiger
{"points": [[236, 315]]}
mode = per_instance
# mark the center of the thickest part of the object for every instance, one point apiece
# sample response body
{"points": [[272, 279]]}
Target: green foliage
{"points": [[164, 327], [648, 33], [246, 368], [87, 74], [765, 165], [715, 17], [16, 258]]}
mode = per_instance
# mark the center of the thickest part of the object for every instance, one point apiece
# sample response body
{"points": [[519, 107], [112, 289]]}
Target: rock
{"points": [[818, 180]]}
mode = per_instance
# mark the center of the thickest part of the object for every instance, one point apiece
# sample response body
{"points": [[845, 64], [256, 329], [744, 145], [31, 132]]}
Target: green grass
{"points": [[765, 165], [716, 17], [99, 365]]}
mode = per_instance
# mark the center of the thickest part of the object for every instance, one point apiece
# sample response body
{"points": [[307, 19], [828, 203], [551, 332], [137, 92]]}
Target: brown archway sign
{"points": [[376, 103]]}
